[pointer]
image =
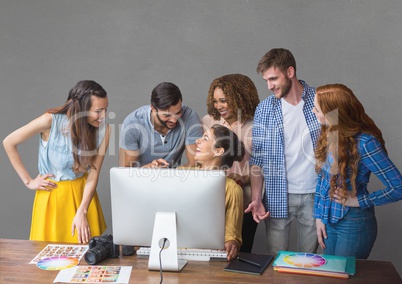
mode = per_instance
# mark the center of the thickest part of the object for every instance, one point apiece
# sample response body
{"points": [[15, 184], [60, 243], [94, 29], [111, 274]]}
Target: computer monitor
{"points": [[186, 206]]}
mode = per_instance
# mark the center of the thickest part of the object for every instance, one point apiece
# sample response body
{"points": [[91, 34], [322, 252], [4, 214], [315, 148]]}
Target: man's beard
{"points": [[286, 88], [164, 123]]}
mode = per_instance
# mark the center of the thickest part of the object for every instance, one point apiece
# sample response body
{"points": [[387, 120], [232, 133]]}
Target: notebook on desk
{"points": [[250, 263]]}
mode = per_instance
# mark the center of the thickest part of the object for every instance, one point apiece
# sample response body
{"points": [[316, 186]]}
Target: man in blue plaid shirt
{"points": [[284, 136]]}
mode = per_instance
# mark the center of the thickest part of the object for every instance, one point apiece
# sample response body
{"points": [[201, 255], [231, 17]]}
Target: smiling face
{"points": [[167, 118], [318, 113], [221, 105], [277, 81], [97, 112], [206, 154]]}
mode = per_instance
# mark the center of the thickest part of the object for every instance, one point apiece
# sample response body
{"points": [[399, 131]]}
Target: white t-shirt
{"points": [[299, 152]]}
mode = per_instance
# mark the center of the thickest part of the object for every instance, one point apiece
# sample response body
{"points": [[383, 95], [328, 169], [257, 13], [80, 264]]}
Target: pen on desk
{"points": [[249, 261]]}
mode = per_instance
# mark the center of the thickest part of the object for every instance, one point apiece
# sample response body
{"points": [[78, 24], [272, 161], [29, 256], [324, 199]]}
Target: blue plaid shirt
{"points": [[268, 148], [372, 159]]}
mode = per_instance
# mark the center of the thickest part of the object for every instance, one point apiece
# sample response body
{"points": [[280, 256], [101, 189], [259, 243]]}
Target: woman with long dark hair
{"points": [[219, 148], [73, 140]]}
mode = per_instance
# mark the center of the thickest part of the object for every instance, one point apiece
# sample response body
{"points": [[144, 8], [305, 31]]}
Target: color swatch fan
{"points": [[314, 264], [57, 263], [306, 260]]}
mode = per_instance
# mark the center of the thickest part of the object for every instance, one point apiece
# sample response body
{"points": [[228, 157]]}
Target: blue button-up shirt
{"points": [[374, 159], [268, 148], [56, 156]]}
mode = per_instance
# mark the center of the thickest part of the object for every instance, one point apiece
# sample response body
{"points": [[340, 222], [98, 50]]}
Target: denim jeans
{"points": [[278, 230], [353, 235]]}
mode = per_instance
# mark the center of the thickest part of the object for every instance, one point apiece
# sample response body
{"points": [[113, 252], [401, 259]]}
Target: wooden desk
{"points": [[15, 256]]}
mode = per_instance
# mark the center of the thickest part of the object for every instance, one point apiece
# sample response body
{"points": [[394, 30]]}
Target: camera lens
{"points": [[96, 254]]}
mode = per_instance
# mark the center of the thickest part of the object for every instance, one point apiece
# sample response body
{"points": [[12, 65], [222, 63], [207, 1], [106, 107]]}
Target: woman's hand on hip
{"points": [[42, 182]]}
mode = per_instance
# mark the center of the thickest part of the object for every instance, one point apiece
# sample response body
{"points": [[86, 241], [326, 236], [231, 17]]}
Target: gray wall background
{"points": [[46, 46]]}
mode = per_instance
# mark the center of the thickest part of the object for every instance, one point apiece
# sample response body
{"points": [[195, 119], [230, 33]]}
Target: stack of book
{"points": [[315, 264]]}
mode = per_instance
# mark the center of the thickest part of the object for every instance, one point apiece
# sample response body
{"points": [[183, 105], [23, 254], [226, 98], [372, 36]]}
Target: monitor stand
{"points": [[165, 232]]}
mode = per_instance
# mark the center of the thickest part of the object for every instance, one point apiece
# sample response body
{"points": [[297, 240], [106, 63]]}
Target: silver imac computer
{"points": [[182, 208]]}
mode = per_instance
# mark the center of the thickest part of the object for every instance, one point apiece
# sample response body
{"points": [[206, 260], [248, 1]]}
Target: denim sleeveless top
{"points": [[55, 156]]}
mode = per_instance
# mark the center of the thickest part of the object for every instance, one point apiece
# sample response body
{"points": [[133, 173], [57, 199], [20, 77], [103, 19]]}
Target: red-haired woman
{"points": [[349, 149]]}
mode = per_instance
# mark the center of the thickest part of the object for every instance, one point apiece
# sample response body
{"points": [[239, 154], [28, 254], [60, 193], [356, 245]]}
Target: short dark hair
{"points": [[165, 95], [277, 57]]}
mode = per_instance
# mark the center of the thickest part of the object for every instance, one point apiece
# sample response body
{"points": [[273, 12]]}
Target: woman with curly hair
{"points": [[349, 149], [231, 102]]}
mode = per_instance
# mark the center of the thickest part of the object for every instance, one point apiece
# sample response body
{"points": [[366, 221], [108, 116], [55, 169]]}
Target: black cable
{"points": [[160, 258]]}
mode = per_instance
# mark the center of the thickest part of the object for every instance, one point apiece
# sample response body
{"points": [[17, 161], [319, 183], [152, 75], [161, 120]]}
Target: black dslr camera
{"points": [[100, 248]]}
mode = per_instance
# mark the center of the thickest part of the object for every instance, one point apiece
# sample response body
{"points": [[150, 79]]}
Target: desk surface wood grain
{"points": [[15, 256]]}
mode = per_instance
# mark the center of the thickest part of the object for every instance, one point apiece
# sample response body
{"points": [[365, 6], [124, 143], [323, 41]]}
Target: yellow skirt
{"points": [[53, 212]]}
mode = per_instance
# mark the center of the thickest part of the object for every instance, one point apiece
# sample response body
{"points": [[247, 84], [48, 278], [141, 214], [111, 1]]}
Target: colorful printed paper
{"points": [[94, 274], [69, 251]]}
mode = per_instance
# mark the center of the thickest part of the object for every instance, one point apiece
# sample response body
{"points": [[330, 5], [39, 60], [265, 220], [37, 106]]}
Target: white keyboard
{"points": [[191, 254]]}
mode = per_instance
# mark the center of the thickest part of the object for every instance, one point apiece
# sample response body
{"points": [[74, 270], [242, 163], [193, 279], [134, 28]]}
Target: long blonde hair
{"points": [[346, 117]]}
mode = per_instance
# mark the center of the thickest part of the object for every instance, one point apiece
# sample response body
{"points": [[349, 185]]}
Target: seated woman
{"points": [[232, 100], [218, 148]]}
